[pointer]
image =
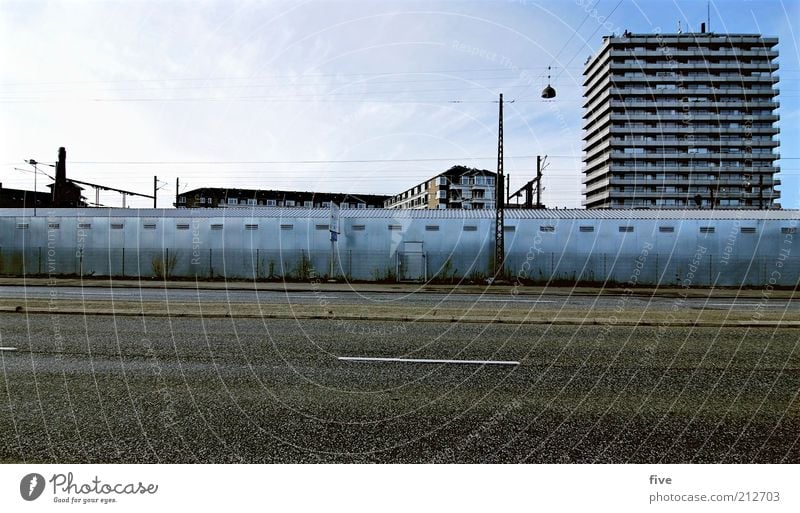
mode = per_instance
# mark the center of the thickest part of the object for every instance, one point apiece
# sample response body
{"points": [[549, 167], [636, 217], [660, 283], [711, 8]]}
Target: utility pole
{"points": [[177, 190], [499, 233], [529, 194], [333, 226], [539, 181], [35, 190], [155, 190]]}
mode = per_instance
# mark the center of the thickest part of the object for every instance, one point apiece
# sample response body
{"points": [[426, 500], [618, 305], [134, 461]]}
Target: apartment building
{"points": [[681, 120], [217, 197], [458, 187]]}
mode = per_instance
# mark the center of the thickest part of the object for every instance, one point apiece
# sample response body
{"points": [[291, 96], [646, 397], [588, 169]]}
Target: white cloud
{"points": [[254, 81]]}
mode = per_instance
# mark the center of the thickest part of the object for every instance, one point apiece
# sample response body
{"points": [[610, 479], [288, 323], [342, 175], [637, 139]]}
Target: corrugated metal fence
{"points": [[746, 249]]}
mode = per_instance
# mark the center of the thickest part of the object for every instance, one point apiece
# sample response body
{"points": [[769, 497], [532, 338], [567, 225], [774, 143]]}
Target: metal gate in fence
{"points": [[411, 263]]}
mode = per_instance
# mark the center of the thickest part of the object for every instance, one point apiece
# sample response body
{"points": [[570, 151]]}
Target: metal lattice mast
{"points": [[499, 233]]}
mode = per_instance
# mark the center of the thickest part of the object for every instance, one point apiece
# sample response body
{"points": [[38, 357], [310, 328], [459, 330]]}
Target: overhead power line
{"points": [[253, 162], [292, 75], [371, 83], [599, 26], [574, 32], [333, 93], [266, 100]]}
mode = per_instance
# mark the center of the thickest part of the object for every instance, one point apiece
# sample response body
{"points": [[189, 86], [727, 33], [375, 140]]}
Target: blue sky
{"points": [[361, 97]]}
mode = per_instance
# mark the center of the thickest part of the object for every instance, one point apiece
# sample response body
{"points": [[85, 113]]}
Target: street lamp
{"points": [[548, 92]]}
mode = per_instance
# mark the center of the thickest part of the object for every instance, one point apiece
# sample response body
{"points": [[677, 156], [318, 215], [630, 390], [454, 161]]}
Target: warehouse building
{"points": [[679, 247]]}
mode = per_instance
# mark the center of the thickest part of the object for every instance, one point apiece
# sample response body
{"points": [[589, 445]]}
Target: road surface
{"points": [[154, 388]]}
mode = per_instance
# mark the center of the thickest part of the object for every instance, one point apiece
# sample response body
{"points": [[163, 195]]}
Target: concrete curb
{"points": [[405, 318], [401, 288]]}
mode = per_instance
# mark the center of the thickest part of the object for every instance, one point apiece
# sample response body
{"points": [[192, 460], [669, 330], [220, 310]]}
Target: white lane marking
{"points": [[517, 300], [745, 304], [8, 348], [75, 293], [311, 297], [171, 292], [424, 360], [85, 292], [465, 299]]}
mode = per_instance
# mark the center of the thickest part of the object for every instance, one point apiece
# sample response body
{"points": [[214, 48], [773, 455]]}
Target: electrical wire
{"points": [[257, 162], [322, 94], [304, 75], [599, 26], [514, 77], [574, 33]]}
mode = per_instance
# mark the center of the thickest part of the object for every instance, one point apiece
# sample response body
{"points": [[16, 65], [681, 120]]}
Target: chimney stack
{"points": [[61, 165], [61, 178], [703, 28]]}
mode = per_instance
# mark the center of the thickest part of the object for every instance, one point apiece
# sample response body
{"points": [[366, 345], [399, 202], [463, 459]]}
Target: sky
{"points": [[328, 96]]}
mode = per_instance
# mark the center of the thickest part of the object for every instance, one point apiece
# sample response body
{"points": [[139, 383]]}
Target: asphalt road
{"points": [[91, 389]]}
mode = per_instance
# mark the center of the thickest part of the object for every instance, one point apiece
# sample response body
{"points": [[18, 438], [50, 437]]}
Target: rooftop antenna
{"points": [[679, 27], [708, 16]]}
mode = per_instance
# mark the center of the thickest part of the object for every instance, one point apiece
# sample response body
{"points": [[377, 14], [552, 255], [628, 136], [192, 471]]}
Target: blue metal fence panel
{"points": [[722, 248]]}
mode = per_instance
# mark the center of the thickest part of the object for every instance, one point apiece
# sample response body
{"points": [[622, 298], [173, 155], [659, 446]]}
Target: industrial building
{"points": [[458, 187], [681, 120], [20, 198], [216, 197], [64, 193]]}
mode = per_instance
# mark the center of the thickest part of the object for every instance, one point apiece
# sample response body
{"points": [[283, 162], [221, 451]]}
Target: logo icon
{"points": [[31, 486]]}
